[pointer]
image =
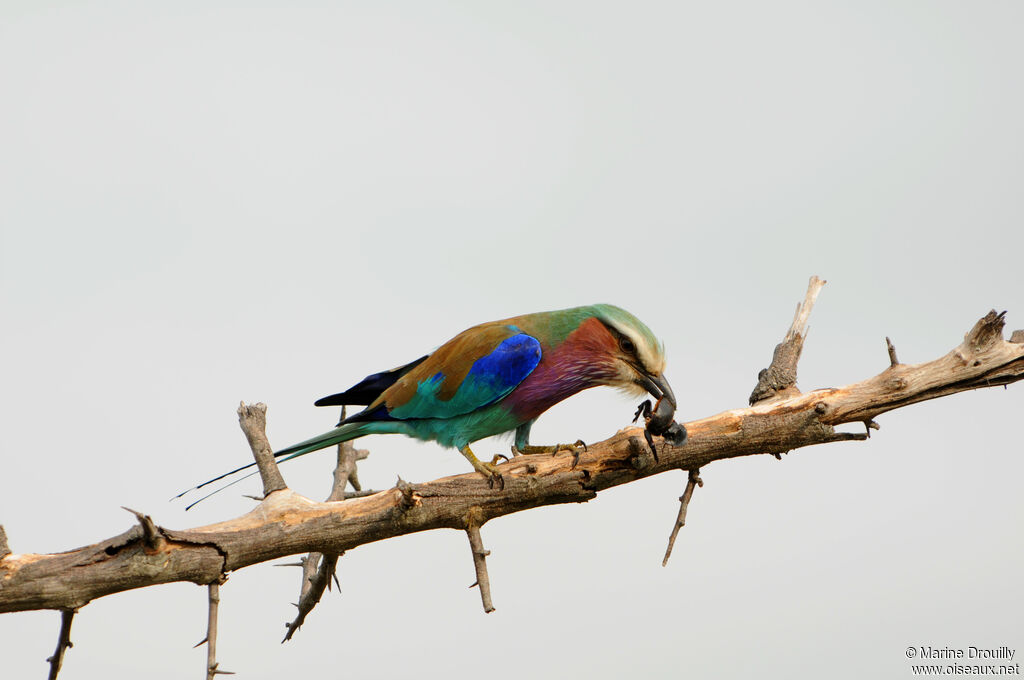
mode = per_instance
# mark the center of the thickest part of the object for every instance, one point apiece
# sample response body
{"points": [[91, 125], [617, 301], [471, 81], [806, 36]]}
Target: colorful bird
{"points": [[498, 377]]}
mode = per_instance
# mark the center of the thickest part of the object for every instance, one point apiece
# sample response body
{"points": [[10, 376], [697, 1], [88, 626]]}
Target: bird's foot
{"points": [[490, 472], [576, 448]]}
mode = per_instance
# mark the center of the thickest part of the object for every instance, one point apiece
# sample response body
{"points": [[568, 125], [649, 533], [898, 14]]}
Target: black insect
{"points": [[659, 423]]}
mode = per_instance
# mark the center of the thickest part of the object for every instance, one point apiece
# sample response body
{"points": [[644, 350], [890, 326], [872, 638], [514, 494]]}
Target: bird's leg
{"points": [[522, 447], [488, 470], [576, 448], [522, 439]]}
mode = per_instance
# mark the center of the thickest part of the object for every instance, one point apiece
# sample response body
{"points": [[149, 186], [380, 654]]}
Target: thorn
{"points": [[291, 564], [151, 534], [893, 361], [200, 643]]}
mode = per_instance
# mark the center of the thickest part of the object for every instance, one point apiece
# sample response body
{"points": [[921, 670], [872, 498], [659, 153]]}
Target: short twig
{"points": [[152, 536], [4, 548], [63, 642], [345, 469], [847, 437], [408, 494], [693, 480], [893, 361], [317, 572], [362, 493], [211, 634], [253, 420], [476, 544]]}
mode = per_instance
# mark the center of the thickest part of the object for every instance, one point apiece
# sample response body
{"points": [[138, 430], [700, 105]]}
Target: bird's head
{"points": [[635, 358]]}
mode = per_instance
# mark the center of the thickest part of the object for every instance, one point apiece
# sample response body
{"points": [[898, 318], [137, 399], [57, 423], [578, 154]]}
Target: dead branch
{"points": [[476, 544], [318, 569], [893, 361], [63, 642], [253, 421], [779, 379], [693, 480], [211, 633], [151, 536], [286, 523]]}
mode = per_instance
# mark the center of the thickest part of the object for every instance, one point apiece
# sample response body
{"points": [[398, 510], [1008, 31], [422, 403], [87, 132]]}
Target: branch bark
{"points": [[286, 523]]}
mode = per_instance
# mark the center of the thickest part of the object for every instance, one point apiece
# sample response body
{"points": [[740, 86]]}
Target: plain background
{"points": [[210, 201]]}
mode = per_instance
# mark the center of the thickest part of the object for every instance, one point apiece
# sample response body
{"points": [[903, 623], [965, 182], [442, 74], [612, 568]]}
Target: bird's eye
{"points": [[626, 345]]}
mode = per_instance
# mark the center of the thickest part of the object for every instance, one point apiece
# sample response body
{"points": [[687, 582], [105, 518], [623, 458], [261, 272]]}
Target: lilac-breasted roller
{"points": [[498, 377]]}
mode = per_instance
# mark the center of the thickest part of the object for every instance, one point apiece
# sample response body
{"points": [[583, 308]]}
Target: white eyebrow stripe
{"points": [[652, 360]]}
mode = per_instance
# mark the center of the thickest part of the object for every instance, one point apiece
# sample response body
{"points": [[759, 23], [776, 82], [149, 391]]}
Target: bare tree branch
{"points": [[476, 544], [779, 379], [319, 569], [63, 642], [253, 420], [286, 523], [211, 633], [693, 480]]}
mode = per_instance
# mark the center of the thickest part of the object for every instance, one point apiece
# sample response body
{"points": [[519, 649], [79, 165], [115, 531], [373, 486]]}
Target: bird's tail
{"points": [[342, 433]]}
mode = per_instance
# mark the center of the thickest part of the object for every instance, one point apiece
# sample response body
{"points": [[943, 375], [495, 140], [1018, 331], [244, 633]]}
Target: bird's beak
{"points": [[657, 386]]}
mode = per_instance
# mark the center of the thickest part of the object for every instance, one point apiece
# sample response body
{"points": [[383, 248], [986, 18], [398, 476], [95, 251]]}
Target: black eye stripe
{"points": [[625, 344]]}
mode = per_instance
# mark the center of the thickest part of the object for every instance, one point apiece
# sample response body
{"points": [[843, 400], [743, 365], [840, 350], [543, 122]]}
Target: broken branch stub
{"points": [[253, 420], [779, 379]]}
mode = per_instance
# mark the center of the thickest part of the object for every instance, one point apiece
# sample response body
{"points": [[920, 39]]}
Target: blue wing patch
{"points": [[490, 378]]}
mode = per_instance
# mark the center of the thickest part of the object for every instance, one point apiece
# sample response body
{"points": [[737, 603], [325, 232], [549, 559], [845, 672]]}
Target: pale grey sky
{"points": [[214, 201]]}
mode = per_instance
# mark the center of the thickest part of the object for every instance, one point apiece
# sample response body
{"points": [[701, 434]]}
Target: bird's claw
{"points": [[497, 457], [490, 471], [574, 448]]}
